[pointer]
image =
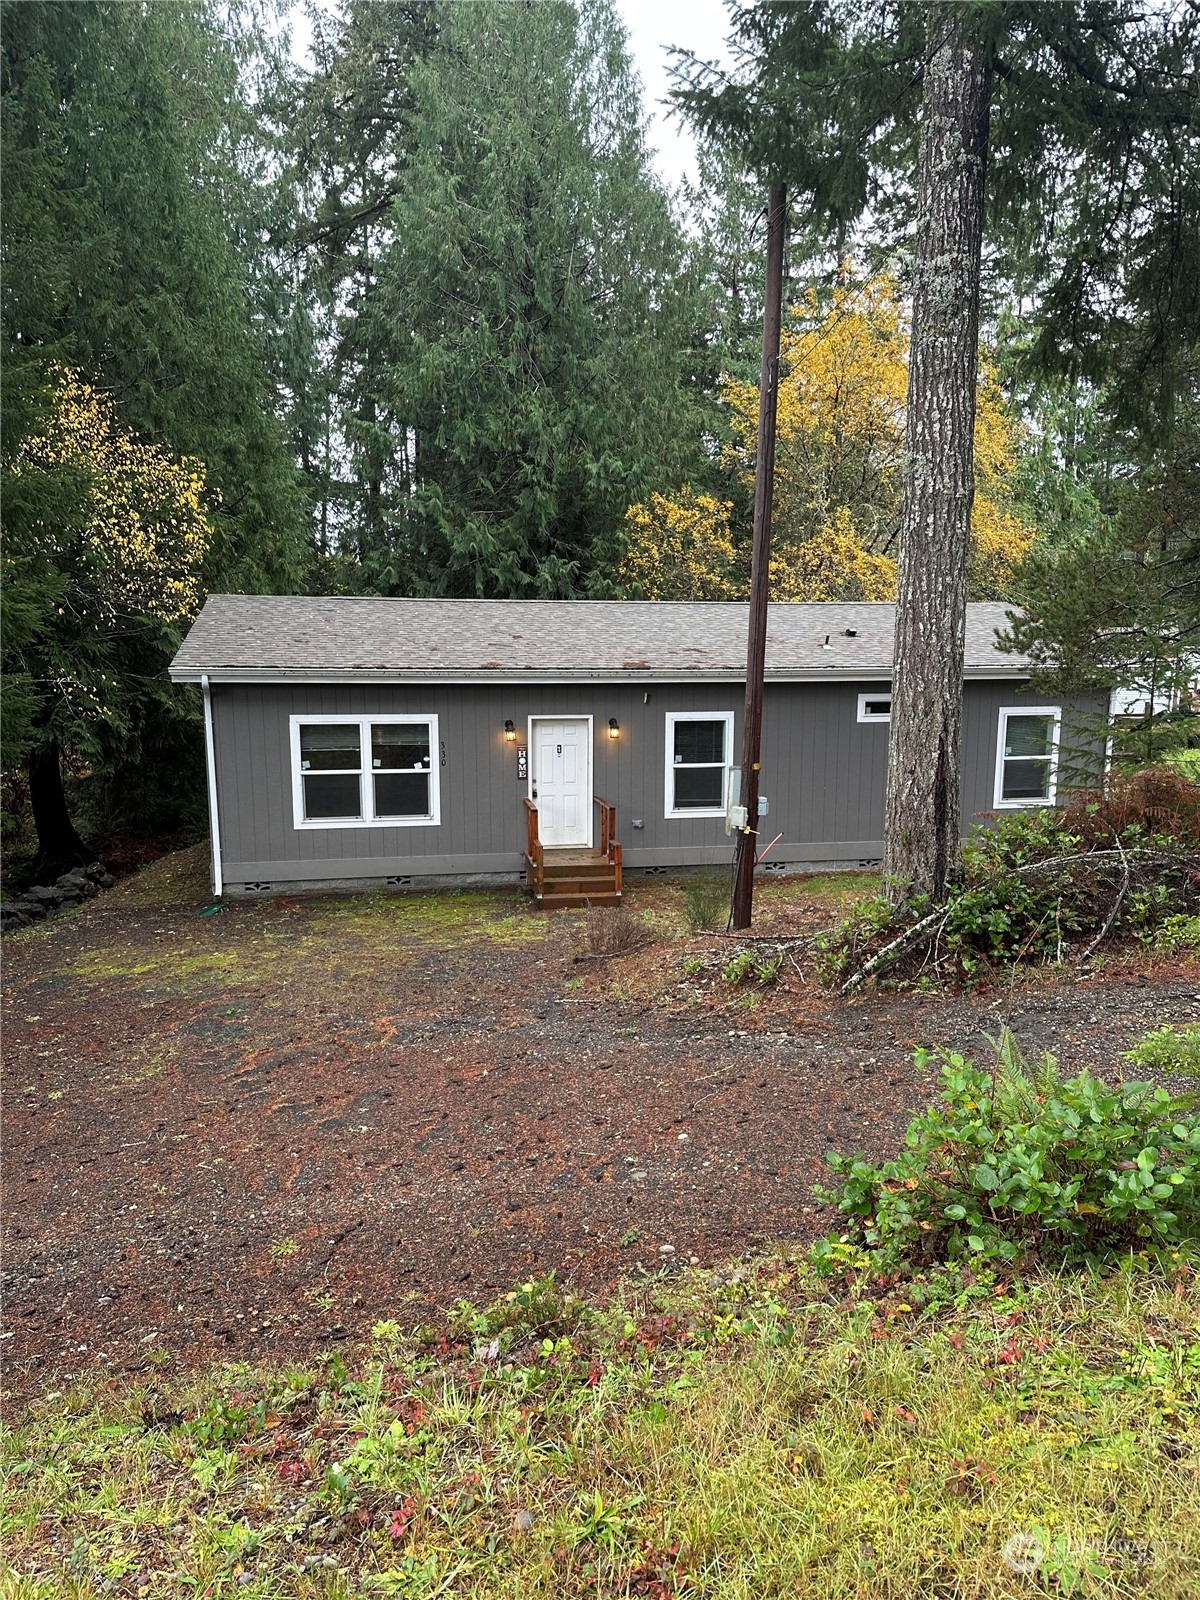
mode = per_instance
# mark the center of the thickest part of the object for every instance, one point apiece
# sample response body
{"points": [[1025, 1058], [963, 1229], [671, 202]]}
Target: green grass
{"points": [[759, 1434]]}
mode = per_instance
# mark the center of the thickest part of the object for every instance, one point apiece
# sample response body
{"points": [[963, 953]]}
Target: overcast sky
{"points": [[654, 26]]}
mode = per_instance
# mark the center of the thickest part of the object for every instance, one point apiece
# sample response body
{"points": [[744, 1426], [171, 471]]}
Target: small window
{"points": [[334, 788], [1027, 756], [874, 708], [698, 756]]}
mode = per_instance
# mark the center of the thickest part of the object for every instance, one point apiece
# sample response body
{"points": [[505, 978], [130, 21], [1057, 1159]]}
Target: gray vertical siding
{"points": [[823, 774]]}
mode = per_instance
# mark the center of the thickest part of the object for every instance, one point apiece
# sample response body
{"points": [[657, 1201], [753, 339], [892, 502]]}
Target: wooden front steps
{"points": [[576, 876]]}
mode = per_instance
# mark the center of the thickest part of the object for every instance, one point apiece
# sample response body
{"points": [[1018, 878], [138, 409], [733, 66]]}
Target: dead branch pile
{"points": [[1062, 908]]}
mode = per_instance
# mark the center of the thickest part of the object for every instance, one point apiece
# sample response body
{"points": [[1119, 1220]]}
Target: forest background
{"points": [[418, 318]]}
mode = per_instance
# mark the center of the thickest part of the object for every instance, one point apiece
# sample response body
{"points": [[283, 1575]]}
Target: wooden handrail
{"points": [[533, 845], [608, 827]]}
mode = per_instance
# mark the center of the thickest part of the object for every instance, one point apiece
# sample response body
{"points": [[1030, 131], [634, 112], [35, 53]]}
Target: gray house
{"points": [[356, 740]]}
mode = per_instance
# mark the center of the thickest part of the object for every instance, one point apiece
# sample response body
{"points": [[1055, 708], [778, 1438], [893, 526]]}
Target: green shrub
{"points": [[706, 901], [1040, 886], [1024, 1163], [1168, 1049], [839, 951], [1185, 762], [1177, 933]]}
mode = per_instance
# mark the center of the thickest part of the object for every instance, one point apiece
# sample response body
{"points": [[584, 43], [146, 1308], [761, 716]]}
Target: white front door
{"points": [[561, 780]]}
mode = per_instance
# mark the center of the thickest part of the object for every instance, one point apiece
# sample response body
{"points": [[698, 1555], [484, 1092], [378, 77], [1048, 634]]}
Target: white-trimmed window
{"points": [[1027, 756], [875, 707], [699, 756], [358, 772]]}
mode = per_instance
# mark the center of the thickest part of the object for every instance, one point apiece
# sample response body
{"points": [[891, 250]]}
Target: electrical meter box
{"points": [[735, 812]]}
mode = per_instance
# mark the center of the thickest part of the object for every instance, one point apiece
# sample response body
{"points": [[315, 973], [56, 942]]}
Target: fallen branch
{"points": [[897, 948], [1097, 869], [1114, 908]]}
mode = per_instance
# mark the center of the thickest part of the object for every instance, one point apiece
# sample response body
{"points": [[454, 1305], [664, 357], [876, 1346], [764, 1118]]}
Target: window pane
{"points": [[402, 794], [699, 741], [701, 787], [329, 796], [398, 746], [877, 708], [1026, 780], [1028, 736], [329, 745]]}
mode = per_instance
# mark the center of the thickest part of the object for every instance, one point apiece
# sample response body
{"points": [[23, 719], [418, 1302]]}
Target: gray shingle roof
{"points": [[269, 637]]}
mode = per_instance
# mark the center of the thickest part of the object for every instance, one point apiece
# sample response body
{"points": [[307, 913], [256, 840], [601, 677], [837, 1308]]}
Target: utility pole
{"points": [[760, 560]]}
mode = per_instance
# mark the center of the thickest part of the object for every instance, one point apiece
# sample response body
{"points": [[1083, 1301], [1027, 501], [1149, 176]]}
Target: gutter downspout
{"points": [[210, 762]]}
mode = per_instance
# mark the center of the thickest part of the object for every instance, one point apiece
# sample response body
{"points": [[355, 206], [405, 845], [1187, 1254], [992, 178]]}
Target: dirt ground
{"points": [[256, 1130]]}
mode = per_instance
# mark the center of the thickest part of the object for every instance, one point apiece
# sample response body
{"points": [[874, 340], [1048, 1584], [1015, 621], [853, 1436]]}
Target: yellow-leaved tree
{"points": [[137, 542], [105, 539], [839, 456], [680, 548]]}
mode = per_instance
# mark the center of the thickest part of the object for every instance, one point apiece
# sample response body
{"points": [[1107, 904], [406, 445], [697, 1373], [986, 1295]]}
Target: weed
{"points": [[629, 1237], [751, 964], [535, 1310], [758, 1432], [281, 1249], [1169, 1049], [706, 900], [601, 1522]]}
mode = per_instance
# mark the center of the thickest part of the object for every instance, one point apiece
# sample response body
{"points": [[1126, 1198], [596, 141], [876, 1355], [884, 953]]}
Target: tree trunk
{"points": [[59, 846], [923, 789]]}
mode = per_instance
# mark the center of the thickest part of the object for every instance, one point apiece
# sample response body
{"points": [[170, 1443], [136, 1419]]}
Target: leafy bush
{"points": [[1042, 886], [1022, 1162], [1175, 934], [706, 901], [1168, 1049]]}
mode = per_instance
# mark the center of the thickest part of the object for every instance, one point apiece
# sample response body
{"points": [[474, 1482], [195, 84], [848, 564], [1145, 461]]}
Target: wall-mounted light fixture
{"points": [[510, 732], [614, 728]]}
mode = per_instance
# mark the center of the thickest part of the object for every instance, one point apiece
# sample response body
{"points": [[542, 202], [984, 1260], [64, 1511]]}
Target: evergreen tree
{"points": [[1082, 119], [129, 223], [128, 226], [345, 131], [518, 329]]}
